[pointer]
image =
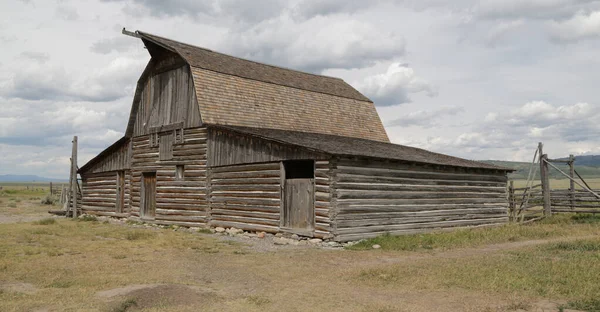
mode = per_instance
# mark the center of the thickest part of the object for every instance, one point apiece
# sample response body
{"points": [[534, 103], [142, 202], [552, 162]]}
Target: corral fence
{"points": [[537, 200]]}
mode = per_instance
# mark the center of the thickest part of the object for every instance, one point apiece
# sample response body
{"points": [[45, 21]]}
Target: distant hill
{"points": [[27, 178], [587, 160], [586, 166]]}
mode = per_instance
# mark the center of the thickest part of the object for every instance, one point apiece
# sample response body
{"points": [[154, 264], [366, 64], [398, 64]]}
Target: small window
{"points": [[154, 140], [179, 172], [178, 134], [299, 169]]}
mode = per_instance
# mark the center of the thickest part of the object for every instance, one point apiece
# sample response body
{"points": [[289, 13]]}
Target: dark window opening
{"points": [[299, 169], [179, 172]]}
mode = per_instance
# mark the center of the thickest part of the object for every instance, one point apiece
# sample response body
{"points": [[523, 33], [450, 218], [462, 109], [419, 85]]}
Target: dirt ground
{"points": [[181, 271]]}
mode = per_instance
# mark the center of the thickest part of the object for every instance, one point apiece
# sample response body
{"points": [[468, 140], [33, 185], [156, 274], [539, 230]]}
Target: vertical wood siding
{"points": [[230, 148], [377, 197], [100, 193], [246, 196], [181, 202], [118, 159], [167, 98]]}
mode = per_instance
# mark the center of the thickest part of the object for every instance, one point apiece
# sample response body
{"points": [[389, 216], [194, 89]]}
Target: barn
{"points": [[215, 140]]}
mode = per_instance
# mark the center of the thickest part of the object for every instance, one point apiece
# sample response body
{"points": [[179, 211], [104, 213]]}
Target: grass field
{"points": [[594, 183], [57, 264]]}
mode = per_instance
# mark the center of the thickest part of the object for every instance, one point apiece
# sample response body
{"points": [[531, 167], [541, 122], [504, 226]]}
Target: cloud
{"points": [[394, 86], [425, 118], [316, 44], [160, 8], [66, 13], [579, 27], [212, 11], [117, 44], [39, 82], [39, 57], [306, 9], [532, 9]]}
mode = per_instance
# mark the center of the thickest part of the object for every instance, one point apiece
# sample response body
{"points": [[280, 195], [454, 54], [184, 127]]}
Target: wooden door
{"points": [[120, 191], [148, 205], [299, 204]]}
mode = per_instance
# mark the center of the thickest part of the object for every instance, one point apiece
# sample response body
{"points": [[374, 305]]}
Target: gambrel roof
{"points": [[237, 92]]}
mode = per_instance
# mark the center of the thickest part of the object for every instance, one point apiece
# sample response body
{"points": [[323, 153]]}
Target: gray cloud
{"points": [[160, 8], [425, 118], [310, 8], [67, 13], [54, 83], [316, 44], [39, 57]]}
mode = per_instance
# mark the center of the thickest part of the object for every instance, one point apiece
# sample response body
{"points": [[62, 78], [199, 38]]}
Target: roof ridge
{"points": [[240, 58]]}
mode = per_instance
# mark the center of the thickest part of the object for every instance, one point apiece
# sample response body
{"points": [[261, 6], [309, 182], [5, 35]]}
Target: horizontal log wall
{"points": [[180, 202], [100, 194], [376, 197], [246, 196], [323, 198], [232, 148]]}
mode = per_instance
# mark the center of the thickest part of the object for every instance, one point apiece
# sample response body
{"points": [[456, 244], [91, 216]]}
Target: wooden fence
{"points": [[527, 203]]}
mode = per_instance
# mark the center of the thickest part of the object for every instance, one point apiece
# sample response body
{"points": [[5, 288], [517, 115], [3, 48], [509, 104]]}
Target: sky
{"points": [[475, 79]]}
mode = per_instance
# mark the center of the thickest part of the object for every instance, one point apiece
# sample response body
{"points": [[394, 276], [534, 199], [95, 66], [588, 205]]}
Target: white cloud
{"points": [[394, 86], [316, 44], [579, 27], [425, 118]]}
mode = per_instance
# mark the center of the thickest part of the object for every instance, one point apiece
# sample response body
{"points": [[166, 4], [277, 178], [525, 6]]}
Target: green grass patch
{"points": [[204, 231], [555, 271], [12, 205], [555, 226], [580, 246], [45, 221], [590, 305], [139, 235], [87, 218]]}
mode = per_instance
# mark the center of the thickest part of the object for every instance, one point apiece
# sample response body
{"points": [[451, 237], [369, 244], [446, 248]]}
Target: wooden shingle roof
{"points": [[236, 92], [230, 65], [345, 146]]}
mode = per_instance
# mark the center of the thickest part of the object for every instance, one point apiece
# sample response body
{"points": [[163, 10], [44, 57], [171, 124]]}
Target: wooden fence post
{"points": [[511, 201], [571, 182], [51, 189], [545, 181], [73, 179]]}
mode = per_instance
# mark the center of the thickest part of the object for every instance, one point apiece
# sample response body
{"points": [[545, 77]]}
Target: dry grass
{"points": [[562, 183], [61, 265], [565, 270], [556, 226], [85, 257]]}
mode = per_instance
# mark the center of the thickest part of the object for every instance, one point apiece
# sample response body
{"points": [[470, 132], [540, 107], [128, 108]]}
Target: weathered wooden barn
{"points": [[215, 140]]}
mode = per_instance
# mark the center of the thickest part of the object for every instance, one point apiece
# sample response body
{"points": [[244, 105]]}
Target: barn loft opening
{"points": [[299, 169]]}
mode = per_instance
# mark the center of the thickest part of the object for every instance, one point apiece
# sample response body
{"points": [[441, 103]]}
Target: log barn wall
{"points": [[100, 193], [376, 197], [246, 196], [99, 181], [324, 199], [179, 202], [249, 197]]}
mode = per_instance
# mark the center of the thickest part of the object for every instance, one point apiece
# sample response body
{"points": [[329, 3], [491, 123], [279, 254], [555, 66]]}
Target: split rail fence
{"points": [[536, 201]]}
